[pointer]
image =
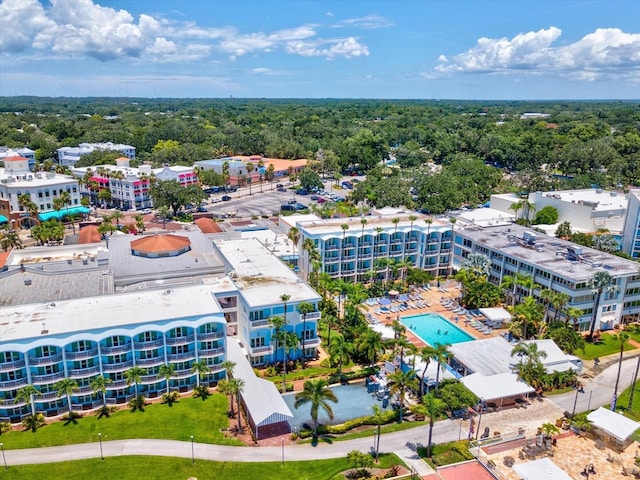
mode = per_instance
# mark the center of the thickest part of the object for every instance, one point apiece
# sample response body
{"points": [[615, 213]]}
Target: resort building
{"points": [[69, 156], [355, 249], [129, 186], [19, 152], [260, 280], [558, 265], [631, 238], [16, 179], [43, 343]]}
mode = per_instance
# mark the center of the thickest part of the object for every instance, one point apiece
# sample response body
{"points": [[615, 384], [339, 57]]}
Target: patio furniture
{"points": [[509, 461]]}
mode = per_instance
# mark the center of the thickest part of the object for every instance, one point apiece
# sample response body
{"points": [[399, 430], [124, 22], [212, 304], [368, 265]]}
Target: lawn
{"points": [[162, 468], [190, 416], [606, 346]]}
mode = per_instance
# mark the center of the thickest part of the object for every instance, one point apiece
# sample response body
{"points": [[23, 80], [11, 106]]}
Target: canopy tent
{"points": [[266, 411], [496, 387], [58, 214], [497, 315], [613, 423], [3, 219], [538, 469]]}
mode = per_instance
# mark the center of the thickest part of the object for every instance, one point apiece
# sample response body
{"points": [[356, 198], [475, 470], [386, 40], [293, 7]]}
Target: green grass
{"points": [[606, 346], [190, 416], [370, 431], [558, 391], [162, 468]]}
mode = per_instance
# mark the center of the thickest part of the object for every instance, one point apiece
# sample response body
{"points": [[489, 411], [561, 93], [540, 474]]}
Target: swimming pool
{"points": [[353, 402], [433, 328]]}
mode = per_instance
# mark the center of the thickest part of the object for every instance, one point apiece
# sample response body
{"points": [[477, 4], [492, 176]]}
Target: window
{"points": [[257, 342]]}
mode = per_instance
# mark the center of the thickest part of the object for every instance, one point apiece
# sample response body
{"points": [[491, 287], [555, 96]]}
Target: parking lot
{"points": [[257, 204]]}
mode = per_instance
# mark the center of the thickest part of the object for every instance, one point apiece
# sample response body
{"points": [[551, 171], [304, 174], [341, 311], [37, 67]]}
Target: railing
{"points": [[260, 323], [150, 361], [181, 356], [49, 396], [311, 343], [81, 372], [210, 335], [117, 384], [85, 389], [183, 373], [180, 340], [148, 344], [264, 349], [150, 378], [115, 349], [332, 259], [47, 378], [211, 352], [215, 369], [45, 360], [113, 367], [81, 354], [348, 257], [12, 365], [331, 247], [12, 402], [312, 316]]}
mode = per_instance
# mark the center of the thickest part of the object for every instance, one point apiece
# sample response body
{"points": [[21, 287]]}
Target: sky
{"points": [[396, 49]]}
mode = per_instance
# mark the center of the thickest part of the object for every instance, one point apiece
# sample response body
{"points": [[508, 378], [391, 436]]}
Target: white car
{"points": [[216, 200], [145, 211]]}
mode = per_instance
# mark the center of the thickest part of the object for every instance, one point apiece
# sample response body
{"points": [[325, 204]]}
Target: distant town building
{"points": [[529, 115], [25, 152], [631, 237], [238, 171], [69, 156]]}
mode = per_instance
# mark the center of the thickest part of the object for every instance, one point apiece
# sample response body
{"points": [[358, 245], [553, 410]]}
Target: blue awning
{"points": [[3, 219], [61, 213]]}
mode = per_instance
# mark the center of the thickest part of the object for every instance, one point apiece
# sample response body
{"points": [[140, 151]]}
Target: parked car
{"points": [[302, 191], [314, 197], [321, 200], [286, 207], [292, 202], [145, 211], [282, 189], [279, 185], [216, 200], [201, 209], [347, 185], [226, 198]]}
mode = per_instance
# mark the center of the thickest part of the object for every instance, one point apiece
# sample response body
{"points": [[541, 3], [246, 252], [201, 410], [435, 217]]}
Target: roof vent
{"points": [[167, 292]]}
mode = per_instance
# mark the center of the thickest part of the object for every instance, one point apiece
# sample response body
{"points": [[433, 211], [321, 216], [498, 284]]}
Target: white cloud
{"points": [[605, 52], [78, 28], [269, 72], [368, 21]]}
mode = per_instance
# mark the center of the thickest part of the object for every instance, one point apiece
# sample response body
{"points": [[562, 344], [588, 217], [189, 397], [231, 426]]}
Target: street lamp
{"points": [[282, 440], [4, 459], [193, 458], [100, 440], [480, 417]]}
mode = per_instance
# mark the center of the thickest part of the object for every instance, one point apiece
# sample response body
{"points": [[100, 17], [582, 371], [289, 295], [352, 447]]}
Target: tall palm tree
{"points": [[201, 369], [66, 386], [340, 351], [478, 264], [309, 247], [228, 366], [10, 240], [546, 295], [99, 384], [441, 354], [622, 337], [277, 323], [304, 308], [164, 213], [117, 215], [431, 407], [134, 375], [318, 395], [294, 237], [452, 221], [28, 394], [167, 371], [559, 300], [399, 383], [516, 206], [600, 283], [378, 417], [426, 354], [236, 387], [250, 168], [344, 227], [289, 341], [370, 344]]}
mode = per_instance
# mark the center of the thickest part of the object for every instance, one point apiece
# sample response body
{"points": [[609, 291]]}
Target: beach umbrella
{"points": [[384, 301]]}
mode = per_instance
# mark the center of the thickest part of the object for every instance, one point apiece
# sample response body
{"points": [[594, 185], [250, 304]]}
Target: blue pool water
{"points": [[432, 328], [353, 402]]}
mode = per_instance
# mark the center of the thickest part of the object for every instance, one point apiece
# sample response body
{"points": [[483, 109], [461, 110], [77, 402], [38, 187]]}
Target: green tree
{"points": [[432, 408], [305, 308], [167, 370], [171, 194], [621, 337], [317, 395], [378, 417], [399, 383], [601, 283], [441, 354], [134, 376], [309, 179], [99, 384], [340, 351], [364, 149], [28, 394], [370, 344], [563, 230], [547, 216], [66, 386]]}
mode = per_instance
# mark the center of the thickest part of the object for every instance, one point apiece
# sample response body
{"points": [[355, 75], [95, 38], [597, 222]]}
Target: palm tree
{"points": [[399, 382], [99, 384], [134, 375], [452, 221], [202, 369], [28, 394], [344, 227], [370, 344], [340, 350], [600, 283], [441, 354], [140, 226], [167, 371], [559, 300], [164, 213], [250, 168], [515, 206], [277, 323], [309, 247], [534, 356], [426, 354], [546, 295], [117, 216], [478, 264], [331, 321], [66, 386], [318, 395], [236, 387], [378, 417], [289, 341], [622, 337], [304, 308], [431, 407], [228, 366], [10, 240]]}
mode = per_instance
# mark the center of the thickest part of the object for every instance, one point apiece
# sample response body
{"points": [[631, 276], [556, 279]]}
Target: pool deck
{"points": [[433, 296]]}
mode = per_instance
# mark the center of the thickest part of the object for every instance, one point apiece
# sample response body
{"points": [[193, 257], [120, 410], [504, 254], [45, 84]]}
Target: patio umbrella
{"points": [[384, 301], [403, 297], [393, 292]]}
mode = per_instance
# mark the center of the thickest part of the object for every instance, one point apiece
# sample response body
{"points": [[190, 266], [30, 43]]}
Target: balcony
{"points": [[114, 367], [349, 257], [12, 403], [312, 316], [117, 384], [84, 389], [211, 335], [331, 259], [263, 350], [50, 377], [176, 357], [331, 247], [366, 244], [215, 369], [311, 343], [183, 373], [11, 365], [149, 362], [180, 340], [146, 379], [260, 323], [83, 372], [13, 383], [211, 352], [115, 349], [81, 354], [349, 271], [149, 344], [49, 396], [45, 360]]}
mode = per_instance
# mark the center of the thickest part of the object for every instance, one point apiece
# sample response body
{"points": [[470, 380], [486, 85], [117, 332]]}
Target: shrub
{"points": [[270, 371], [5, 427], [33, 422], [170, 397], [137, 403], [201, 391]]}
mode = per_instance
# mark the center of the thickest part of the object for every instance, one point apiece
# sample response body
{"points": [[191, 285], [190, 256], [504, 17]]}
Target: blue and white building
{"points": [[69, 156], [631, 238]]}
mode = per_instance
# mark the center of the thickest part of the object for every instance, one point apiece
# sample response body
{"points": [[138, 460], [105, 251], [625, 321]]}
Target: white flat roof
{"points": [[493, 387], [278, 244], [540, 469], [606, 200], [260, 276], [68, 316], [334, 225], [614, 423], [486, 217]]}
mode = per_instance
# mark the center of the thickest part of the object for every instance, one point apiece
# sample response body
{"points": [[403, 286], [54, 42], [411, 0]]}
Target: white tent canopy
{"points": [[496, 314], [495, 387], [613, 423], [540, 469]]}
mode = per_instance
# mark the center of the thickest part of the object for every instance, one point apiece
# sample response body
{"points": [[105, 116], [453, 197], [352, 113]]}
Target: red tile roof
{"points": [[89, 234], [160, 243], [207, 225], [17, 158]]}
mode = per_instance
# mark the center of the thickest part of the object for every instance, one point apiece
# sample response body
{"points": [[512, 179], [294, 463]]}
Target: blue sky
{"points": [[560, 49]]}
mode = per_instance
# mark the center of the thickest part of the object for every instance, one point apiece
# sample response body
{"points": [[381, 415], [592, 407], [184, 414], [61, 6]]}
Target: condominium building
{"points": [[260, 280], [42, 187], [558, 265], [351, 248], [81, 339], [129, 186], [69, 156], [631, 237]]}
